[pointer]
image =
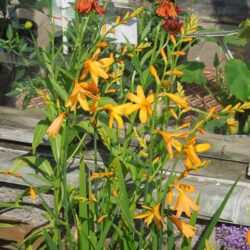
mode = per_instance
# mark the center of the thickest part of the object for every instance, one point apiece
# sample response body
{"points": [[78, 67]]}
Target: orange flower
{"points": [[85, 6], [97, 68], [79, 93], [32, 193], [174, 73], [102, 44], [56, 125], [154, 73], [179, 53], [100, 220], [142, 103], [166, 9], [176, 98], [191, 151], [248, 237], [116, 111], [186, 229], [184, 202], [163, 55], [169, 140], [6, 172], [152, 214], [96, 175]]}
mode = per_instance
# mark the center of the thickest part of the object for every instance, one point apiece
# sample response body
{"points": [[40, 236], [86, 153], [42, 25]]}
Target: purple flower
{"points": [[232, 237]]}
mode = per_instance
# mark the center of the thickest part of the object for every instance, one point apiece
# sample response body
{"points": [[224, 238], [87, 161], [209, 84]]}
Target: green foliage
{"points": [[238, 79], [216, 217], [245, 29], [101, 113], [193, 72]]}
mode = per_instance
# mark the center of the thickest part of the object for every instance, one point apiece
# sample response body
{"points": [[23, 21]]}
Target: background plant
{"points": [[115, 96]]}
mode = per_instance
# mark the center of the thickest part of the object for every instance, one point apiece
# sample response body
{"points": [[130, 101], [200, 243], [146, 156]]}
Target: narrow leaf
{"points": [[216, 217], [39, 132]]}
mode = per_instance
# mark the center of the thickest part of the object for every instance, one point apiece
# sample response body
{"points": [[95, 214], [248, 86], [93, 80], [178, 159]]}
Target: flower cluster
{"points": [[85, 6], [169, 11], [233, 237]]}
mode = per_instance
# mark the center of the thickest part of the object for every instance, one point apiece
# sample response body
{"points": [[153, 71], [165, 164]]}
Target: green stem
{"points": [[63, 160], [83, 209]]}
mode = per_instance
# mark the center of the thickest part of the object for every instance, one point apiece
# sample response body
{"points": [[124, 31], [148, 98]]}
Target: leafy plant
{"points": [[112, 94]]}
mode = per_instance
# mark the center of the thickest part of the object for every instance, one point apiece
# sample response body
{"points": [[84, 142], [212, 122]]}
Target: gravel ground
{"points": [[34, 215]]}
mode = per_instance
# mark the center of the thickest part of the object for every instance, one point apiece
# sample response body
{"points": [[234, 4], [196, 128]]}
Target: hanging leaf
{"points": [[238, 79], [193, 72]]}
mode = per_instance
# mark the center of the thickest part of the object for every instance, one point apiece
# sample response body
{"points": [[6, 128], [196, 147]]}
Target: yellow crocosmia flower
{"points": [[56, 125], [170, 140], [118, 19], [97, 68], [172, 112], [152, 214], [101, 219], [187, 188], [232, 126], [227, 108], [184, 203], [163, 55], [154, 73], [177, 99], [182, 31], [80, 198], [96, 175], [80, 93], [179, 53], [187, 230], [7, 172], [142, 103], [202, 147], [174, 73], [170, 197], [248, 237], [186, 40], [172, 38], [190, 152], [32, 193], [102, 44], [116, 113], [104, 28]]}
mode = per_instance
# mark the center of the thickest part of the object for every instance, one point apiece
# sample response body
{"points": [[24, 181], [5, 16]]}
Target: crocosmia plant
{"points": [[114, 102]]}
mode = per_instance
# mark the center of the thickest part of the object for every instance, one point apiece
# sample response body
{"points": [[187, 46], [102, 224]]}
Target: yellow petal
{"points": [[106, 62], [101, 218], [150, 99], [119, 121], [32, 193], [202, 147], [140, 92], [143, 115], [177, 99], [143, 215], [248, 237], [96, 54], [83, 102], [133, 98], [131, 109], [186, 229]]}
